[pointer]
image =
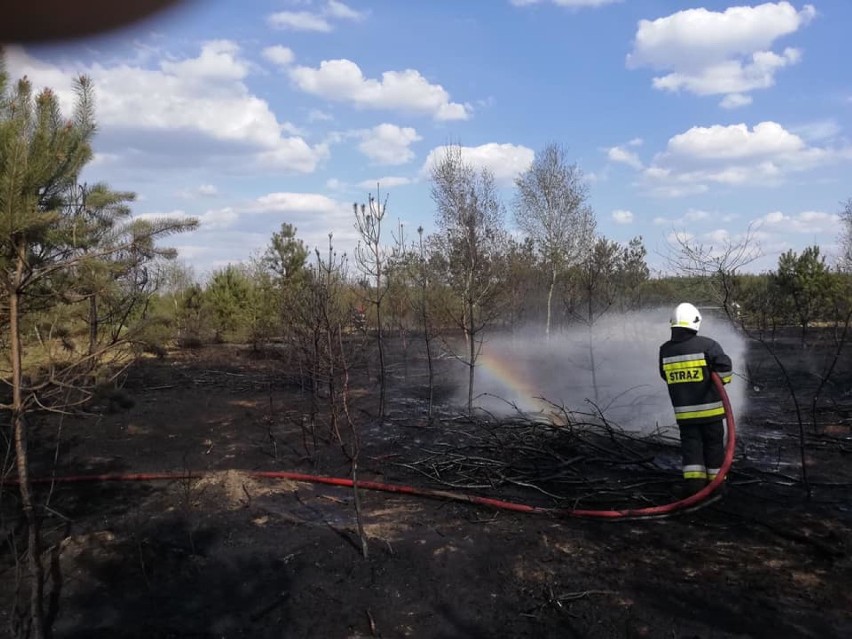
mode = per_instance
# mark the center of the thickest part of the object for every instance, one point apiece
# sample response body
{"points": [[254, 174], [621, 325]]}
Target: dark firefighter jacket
{"points": [[686, 361]]}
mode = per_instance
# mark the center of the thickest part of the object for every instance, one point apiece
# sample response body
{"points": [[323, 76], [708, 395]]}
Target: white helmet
{"points": [[686, 316]]}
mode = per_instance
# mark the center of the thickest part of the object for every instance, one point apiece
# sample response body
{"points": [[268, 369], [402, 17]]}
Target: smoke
{"points": [[624, 382]]}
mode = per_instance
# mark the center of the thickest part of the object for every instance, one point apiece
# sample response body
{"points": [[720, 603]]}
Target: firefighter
{"points": [[686, 362]]}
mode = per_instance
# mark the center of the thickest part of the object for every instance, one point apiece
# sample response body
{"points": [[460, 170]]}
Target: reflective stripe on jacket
{"points": [[686, 361]]}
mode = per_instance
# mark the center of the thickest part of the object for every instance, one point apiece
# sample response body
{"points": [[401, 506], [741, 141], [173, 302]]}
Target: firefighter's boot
{"points": [[692, 486]]}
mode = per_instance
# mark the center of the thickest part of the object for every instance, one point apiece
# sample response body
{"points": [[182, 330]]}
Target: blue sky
{"points": [[703, 118]]}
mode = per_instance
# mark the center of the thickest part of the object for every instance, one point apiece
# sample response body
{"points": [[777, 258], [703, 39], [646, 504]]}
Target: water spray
{"points": [[618, 369]]}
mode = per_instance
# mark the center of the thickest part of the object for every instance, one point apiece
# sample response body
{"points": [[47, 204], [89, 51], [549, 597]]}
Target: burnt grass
{"points": [[231, 555]]}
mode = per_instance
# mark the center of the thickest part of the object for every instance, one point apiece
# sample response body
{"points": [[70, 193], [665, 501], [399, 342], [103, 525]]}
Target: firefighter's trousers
{"points": [[703, 449]]}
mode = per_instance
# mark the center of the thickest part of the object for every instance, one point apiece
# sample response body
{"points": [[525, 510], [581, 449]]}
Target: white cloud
{"points": [[694, 215], [624, 156], [218, 60], [343, 81], [387, 182], [341, 11], [818, 130], [181, 107], [279, 55], [676, 190], [679, 237], [217, 219], [292, 129], [159, 215], [735, 101], [731, 76], [505, 161], [749, 244], [223, 236], [763, 243], [317, 21], [314, 215], [777, 231], [736, 141], [204, 190], [811, 222], [286, 202], [734, 155], [719, 236], [388, 144], [693, 36], [621, 216], [710, 52], [315, 115], [299, 21]]}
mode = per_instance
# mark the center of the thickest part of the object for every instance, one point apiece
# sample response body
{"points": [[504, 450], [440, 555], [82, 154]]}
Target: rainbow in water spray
{"points": [[512, 375]]}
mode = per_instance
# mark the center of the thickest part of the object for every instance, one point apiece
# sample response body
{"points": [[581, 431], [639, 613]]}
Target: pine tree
{"points": [[58, 249]]}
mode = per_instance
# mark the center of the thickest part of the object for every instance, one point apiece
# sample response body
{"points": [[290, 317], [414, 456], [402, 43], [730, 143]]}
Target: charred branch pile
{"points": [[576, 460], [569, 460]]}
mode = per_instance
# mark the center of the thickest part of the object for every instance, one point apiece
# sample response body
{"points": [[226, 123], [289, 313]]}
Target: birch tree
{"points": [[551, 207], [472, 239], [846, 237]]}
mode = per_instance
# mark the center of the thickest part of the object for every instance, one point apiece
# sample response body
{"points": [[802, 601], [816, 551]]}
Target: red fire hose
{"points": [[692, 500], [630, 513]]}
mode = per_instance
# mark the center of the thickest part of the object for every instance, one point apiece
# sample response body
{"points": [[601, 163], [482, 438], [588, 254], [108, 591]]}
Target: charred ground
{"points": [[229, 555]]}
